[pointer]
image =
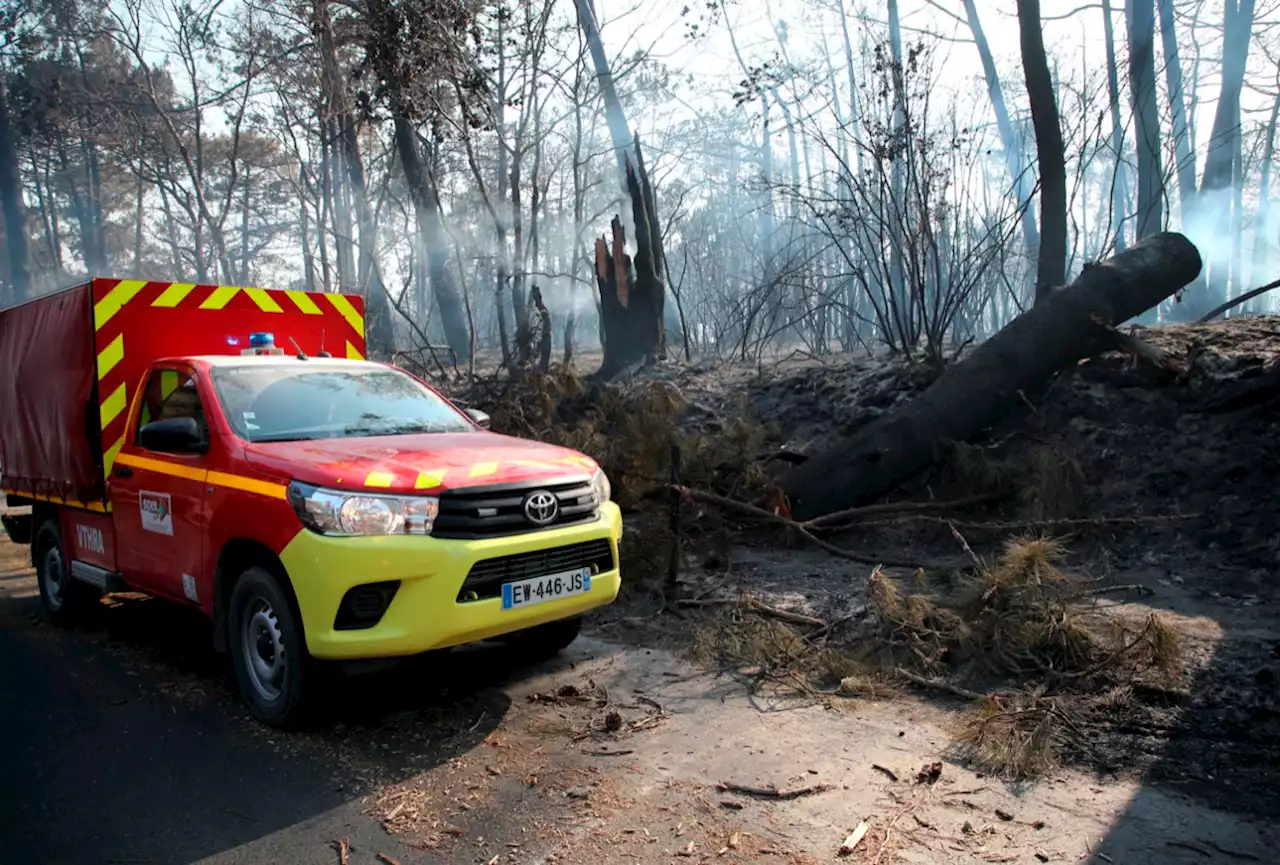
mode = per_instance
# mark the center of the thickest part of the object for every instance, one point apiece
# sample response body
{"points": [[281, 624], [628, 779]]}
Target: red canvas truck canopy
{"points": [[70, 364]]}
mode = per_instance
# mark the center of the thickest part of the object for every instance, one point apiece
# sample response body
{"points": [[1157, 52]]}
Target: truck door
{"points": [[159, 491]]}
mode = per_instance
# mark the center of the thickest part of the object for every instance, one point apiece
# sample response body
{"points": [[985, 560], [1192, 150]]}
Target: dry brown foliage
{"points": [[630, 428]]}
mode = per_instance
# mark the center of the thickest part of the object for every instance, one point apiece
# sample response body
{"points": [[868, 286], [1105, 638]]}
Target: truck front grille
{"points": [[487, 575], [496, 511]]}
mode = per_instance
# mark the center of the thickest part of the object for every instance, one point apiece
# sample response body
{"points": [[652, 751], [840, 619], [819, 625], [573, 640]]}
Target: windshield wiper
{"points": [[287, 437]]}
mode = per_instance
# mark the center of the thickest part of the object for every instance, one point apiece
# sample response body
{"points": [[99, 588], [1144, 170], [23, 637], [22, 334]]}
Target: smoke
{"points": [[1252, 258]]}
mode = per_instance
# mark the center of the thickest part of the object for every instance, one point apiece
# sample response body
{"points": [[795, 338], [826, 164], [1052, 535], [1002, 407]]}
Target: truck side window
{"points": [[171, 394]]}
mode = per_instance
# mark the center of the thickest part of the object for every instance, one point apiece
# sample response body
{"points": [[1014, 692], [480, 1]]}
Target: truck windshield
{"points": [[303, 401]]}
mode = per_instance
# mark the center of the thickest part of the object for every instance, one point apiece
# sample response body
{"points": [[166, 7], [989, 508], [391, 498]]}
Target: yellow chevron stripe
{"points": [[220, 297], [109, 458], [116, 298], [353, 353], [342, 305], [382, 480], [110, 356], [265, 301], [249, 485], [428, 480], [303, 301], [111, 407], [173, 295], [480, 470]]}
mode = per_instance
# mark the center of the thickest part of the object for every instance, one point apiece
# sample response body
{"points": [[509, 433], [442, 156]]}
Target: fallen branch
{"points": [[707, 498], [1130, 344], [1128, 587], [772, 792], [942, 686], [853, 514], [344, 851], [757, 607], [1236, 301]]}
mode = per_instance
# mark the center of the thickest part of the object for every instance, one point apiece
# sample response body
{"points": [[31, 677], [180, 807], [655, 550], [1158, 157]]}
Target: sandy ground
{"points": [[127, 746]]}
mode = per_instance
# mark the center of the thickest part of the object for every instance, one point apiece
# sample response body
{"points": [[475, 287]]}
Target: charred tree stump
{"points": [[631, 300], [541, 326], [1070, 324]]}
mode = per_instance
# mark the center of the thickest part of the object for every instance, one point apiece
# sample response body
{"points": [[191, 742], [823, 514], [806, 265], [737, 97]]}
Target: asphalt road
{"points": [[123, 744]]}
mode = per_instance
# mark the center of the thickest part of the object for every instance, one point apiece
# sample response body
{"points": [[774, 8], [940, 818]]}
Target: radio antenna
{"points": [[322, 352]]}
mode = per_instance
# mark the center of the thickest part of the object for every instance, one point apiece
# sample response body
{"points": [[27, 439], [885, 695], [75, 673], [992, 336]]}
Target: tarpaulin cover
{"points": [[48, 435]]}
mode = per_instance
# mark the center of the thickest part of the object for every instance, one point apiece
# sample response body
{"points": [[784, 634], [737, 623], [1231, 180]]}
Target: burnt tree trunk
{"points": [[631, 301], [973, 394]]}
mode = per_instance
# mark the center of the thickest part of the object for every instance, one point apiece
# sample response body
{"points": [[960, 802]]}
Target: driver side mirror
{"points": [[479, 418], [177, 435]]}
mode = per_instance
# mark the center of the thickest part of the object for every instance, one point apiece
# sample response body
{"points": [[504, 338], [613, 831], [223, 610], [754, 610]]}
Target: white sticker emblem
{"points": [[157, 516], [189, 588]]}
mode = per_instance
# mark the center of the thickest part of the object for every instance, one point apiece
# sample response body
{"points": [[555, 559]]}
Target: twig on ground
{"points": [[385, 859], [960, 539], [941, 686], [1128, 587], [707, 498], [344, 851], [854, 839], [772, 792], [882, 770]]}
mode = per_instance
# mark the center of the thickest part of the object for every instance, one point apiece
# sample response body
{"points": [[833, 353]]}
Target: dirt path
{"points": [[130, 748]]}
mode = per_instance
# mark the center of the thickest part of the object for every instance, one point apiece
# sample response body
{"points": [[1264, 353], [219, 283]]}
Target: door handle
{"points": [[122, 472]]}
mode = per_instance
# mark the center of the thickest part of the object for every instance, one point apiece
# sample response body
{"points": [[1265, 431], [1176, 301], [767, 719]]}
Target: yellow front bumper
{"points": [[425, 613]]}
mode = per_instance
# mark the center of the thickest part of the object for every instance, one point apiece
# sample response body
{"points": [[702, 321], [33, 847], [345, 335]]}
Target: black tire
{"points": [[546, 641], [268, 650], [65, 598]]}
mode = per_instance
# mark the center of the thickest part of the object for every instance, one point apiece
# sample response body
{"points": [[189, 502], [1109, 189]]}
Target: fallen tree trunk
{"points": [[979, 390]]}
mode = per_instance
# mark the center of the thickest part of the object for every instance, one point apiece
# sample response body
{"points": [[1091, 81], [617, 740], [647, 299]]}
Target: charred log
{"points": [[970, 396]]}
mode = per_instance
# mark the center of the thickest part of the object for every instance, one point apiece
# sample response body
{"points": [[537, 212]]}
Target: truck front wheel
{"points": [[63, 596], [267, 650]]}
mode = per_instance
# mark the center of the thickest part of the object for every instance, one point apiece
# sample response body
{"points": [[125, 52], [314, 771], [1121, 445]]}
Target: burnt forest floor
{"points": [[754, 712]]}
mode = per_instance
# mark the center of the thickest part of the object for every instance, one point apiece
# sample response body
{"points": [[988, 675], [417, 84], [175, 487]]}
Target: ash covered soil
{"points": [[1162, 480]]}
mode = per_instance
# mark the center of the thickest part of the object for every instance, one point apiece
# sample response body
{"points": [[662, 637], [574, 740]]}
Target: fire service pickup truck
{"points": [[199, 444]]}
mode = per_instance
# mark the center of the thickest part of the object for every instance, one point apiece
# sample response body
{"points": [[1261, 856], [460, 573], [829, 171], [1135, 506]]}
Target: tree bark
{"points": [[1018, 172], [1064, 327], [17, 244], [1051, 268], [1141, 22], [1182, 138], [452, 312], [1120, 181], [631, 301]]}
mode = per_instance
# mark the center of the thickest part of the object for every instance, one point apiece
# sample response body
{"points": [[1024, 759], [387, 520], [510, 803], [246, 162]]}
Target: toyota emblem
{"points": [[541, 508]]}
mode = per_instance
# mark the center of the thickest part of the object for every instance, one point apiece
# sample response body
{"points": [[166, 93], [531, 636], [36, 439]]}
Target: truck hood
{"points": [[417, 463]]}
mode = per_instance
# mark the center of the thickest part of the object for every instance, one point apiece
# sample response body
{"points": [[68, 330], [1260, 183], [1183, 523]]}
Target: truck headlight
{"points": [[337, 512], [601, 487]]}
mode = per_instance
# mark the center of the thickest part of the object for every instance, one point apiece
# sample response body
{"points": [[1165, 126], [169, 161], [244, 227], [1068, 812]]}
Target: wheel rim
{"points": [[263, 649], [53, 576]]}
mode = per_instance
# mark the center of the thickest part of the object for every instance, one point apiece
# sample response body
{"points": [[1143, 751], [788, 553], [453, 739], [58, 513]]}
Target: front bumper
{"points": [[425, 613]]}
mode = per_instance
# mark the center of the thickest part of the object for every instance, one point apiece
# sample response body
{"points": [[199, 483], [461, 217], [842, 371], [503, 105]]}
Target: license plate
{"points": [[539, 589]]}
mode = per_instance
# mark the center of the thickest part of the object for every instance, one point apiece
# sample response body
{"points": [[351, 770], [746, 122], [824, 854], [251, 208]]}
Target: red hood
{"points": [[417, 463]]}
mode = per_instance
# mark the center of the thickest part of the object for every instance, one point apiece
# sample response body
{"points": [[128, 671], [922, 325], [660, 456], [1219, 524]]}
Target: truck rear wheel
{"points": [[268, 652], [545, 641], [63, 596]]}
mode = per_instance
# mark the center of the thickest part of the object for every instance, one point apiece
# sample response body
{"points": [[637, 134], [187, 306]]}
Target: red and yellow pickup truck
{"points": [[199, 444]]}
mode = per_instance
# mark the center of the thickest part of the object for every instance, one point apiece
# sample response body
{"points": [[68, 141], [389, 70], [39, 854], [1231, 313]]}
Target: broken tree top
{"points": [[1072, 323]]}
